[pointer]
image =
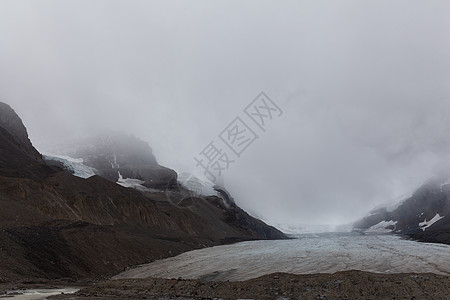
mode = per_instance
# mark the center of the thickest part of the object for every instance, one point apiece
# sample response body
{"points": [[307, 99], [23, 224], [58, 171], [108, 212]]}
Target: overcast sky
{"points": [[364, 87]]}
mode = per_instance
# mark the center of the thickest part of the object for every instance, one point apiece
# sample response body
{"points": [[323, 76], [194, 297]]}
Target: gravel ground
{"points": [[341, 285]]}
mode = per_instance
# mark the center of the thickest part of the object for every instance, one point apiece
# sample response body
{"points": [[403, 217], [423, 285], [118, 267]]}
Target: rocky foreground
{"points": [[341, 285]]}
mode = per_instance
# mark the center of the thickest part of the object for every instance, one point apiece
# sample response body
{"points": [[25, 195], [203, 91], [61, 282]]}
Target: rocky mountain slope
{"points": [[425, 215], [18, 158], [54, 225]]}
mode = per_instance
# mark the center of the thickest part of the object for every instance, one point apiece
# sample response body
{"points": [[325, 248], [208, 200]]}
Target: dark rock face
{"points": [[18, 157], [12, 123], [114, 153], [429, 200], [55, 225]]}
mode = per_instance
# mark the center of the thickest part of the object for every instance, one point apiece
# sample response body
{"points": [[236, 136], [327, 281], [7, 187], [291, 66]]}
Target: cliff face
{"points": [[56, 225], [18, 157], [12, 124]]}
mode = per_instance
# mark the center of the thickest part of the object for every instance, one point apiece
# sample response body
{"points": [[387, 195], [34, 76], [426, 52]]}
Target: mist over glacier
{"points": [[363, 87]]}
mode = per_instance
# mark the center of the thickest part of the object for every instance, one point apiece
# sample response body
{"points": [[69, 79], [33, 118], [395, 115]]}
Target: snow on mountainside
{"points": [[112, 152], [197, 184], [134, 183], [73, 165], [427, 209], [425, 224], [382, 227], [79, 169]]}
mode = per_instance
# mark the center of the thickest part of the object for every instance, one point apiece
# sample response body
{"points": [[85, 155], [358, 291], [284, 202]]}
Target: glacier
{"points": [[308, 254], [74, 165]]}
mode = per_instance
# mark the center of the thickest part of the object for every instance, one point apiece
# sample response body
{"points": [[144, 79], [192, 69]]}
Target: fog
{"points": [[363, 86]]}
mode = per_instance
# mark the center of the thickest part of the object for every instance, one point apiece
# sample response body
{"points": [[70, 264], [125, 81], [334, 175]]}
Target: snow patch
{"points": [[424, 225], [132, 183], [382, 227]]}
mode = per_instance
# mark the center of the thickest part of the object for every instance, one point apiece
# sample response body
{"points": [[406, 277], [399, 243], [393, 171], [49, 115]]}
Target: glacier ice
{"points": [[74, 165], [313, 253]]}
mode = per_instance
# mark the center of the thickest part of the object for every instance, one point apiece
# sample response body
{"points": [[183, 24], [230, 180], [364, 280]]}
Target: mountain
{"points": [[54, 225], [115, 155], [18, 157], [425, 215], [12, 124]]}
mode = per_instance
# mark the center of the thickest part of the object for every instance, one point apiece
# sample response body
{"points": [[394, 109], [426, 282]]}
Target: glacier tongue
{"points": [[309, 254], [74, 165]]}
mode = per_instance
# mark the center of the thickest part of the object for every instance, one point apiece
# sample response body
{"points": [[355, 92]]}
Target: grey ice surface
{"points": [[310, 253]]}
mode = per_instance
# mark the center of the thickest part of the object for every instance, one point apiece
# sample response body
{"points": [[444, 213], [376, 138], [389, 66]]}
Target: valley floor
{"points": [[312, 266]]}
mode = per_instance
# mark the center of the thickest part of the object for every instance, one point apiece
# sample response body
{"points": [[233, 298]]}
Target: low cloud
{"points": [[363, 86]]}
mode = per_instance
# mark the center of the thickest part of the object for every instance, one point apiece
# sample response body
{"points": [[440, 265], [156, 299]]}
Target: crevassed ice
{"points": [[309, 254]]}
